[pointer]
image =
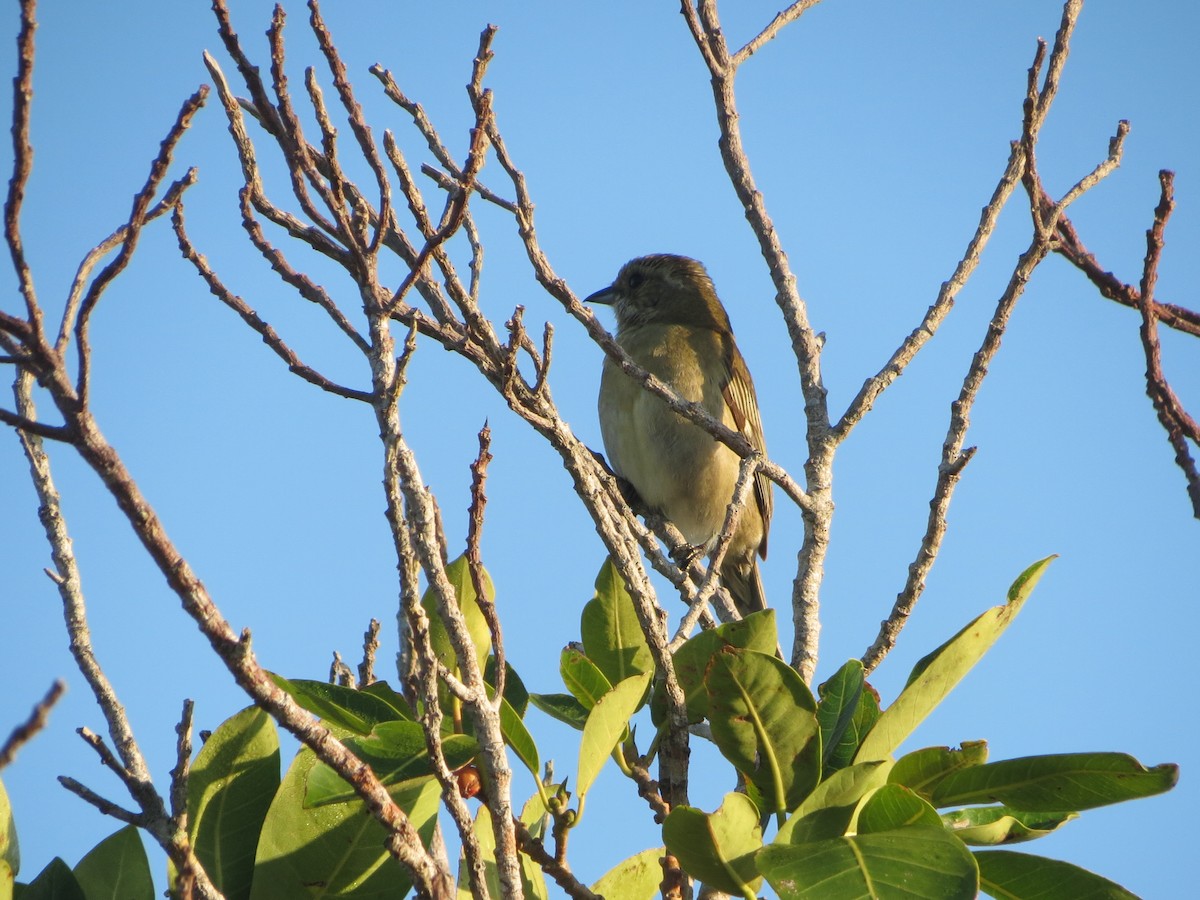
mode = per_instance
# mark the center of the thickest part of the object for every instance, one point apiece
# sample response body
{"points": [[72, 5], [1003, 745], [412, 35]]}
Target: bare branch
{"points": [[133, 229], [22, 164], [251, 318], [27, 730], [782, 19], [1180, 426]]}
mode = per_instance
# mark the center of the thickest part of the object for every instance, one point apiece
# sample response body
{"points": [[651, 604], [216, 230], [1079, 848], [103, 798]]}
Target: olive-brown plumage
{"points": [[670, 321]]}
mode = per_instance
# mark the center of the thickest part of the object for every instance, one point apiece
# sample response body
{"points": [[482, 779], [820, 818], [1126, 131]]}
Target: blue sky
{"points": [[876, 130]]}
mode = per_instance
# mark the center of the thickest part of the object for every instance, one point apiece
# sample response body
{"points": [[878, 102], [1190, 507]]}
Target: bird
{"points": [[672, 324]]}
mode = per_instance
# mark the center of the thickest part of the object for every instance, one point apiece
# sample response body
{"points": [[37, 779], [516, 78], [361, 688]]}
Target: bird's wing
{"points": [[738, 391]]}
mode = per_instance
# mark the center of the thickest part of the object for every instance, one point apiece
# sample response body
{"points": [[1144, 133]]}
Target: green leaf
{"points": [[117, 868], [1010, 875], [612, 635], [396, 753], [718, 848], [382, 690], [459, 574], [356, 711], [843, 790], [936, 675], [829, 810], [55, 882], [840, 696], [636, 878], [563, 707], [923, 770], [606, 725], [915, 862], [231, 786], [764, 722], [338, 847], [10, 848], [1058, 782], [514, 688], [755, 632], [987, 826], [517, 736], [894, 806], [583, 677]]}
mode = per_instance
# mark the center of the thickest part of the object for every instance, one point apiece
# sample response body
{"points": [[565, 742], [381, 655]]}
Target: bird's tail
{"points": [[744, 584]]}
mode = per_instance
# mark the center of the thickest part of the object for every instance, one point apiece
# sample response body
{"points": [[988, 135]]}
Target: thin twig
{"points": [[36, 721], [1180, 426]]}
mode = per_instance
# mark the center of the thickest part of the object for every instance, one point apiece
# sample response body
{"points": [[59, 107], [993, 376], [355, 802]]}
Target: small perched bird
{"points": [[670, 321]]}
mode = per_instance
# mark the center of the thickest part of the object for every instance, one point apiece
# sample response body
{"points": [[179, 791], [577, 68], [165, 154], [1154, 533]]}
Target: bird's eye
{"points": [[636, 280]]}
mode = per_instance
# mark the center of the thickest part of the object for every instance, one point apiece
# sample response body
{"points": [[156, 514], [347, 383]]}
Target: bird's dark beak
{"points": [[605, 296]]}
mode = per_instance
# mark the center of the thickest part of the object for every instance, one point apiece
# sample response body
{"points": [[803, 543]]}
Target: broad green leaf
{"points": [[10, 848], [829, 810], [55, 882], [916, 862], [841, 790], [988, 826], [936, 675], [866, 714], [231, 786], [718, 848], [923, 770], [514, 688], [459, 574], [636, 878], [764, 721], [1058, 782], [383, 690], [612, 635], [840, 696], [1010, 875], [356, 711], [396, 753], [583, 677], [517, 736], [532, 880], [755, 632], [339, 846], [563, 707], [606, 725], [117, 868], [894, 806]]}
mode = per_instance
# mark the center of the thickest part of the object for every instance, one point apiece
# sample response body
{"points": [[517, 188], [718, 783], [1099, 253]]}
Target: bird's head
{"points": [[663, 290]]}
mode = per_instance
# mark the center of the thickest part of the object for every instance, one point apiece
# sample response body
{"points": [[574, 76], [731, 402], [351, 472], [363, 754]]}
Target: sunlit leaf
{"points": [[344, 707], [612, 636], [1008, 874], [396, 753], [894, 806], [935, 676], [605, 726], [717, 848], [232, 783], [636, 878], [117, 868], [338, 846], [916, 862], [923, 770], [989, 826], [1057, 782], [583, 677], [764, 721]]}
